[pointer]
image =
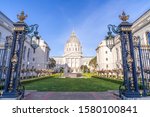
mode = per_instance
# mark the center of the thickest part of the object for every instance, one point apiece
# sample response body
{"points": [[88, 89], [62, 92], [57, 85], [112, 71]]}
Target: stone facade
{"points": [[73, 56], [140, 27]]}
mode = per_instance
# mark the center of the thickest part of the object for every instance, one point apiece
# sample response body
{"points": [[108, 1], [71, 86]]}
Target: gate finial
{"points": [[22, 16], [124, 17]]}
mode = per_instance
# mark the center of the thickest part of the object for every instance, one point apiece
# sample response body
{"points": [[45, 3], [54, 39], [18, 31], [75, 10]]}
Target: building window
{"points": [[47, 55], [33, 59], [148, 38], [106, 52], [106, 59], [117, 53], [106, 66], [24, 53], [28, 55], [0, 36], [27, 67], [22, 65]]}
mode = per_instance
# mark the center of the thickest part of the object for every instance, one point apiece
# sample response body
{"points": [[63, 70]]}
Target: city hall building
{"points": [[73, 56]]}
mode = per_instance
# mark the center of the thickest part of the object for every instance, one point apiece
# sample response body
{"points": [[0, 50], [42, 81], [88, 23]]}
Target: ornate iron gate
{"points": [[142, 54], [4, 58], [135, 59]]}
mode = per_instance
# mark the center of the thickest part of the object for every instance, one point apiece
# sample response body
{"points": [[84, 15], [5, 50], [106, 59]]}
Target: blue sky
{"points": [[89, 19]]}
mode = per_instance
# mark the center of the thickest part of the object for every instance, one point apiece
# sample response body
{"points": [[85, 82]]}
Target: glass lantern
{"points": [[110, 40], [35, 40]]}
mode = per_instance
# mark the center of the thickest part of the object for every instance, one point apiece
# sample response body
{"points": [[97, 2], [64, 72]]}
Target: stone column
{"points": [[71, 62], [75, 62]]}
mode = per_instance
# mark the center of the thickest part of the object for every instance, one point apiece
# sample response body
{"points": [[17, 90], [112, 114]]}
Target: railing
{"points": [[4, 58], [143, 67]]}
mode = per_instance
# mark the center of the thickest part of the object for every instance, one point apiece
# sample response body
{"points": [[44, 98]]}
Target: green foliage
{"points": [[33, 79], [52, 63], [93, 63], [61, 70], [88, 75], [84, 69], [73, 84]]}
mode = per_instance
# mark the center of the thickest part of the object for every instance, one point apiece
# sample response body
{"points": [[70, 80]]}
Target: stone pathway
{"points": [[34, 95]]}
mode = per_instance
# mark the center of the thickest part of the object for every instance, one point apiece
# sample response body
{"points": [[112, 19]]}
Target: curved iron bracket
{"points": [[32, 29], [113, 28]]}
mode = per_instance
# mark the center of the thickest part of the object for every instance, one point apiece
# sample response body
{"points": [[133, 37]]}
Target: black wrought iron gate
{"points": [[142, 54], [5, 48]]}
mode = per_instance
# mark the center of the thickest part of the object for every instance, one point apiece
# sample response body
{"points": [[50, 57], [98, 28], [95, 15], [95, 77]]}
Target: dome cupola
{"points": [[73, 45]]}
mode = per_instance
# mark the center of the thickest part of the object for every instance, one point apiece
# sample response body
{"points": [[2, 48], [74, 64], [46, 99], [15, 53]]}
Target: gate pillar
{"points": [[128, 59], [12, 82], [12, 86], [130, 83]]}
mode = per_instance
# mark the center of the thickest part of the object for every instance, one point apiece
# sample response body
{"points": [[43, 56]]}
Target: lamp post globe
{"points": [[35, 40], [110, 40]]}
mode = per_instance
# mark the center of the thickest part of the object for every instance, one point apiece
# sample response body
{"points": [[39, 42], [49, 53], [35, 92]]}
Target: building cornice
{"points": [[141, 16], [6, 27], [141, 22], [141, 26], [6, 17]]}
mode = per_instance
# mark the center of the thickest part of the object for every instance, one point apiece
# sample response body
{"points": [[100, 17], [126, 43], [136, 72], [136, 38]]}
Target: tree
{"points": [[93, 63], [84, 68], [52, 63], [61, 70]]}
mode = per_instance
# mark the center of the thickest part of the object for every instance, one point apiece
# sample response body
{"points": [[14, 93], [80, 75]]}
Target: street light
{"points": [[35, 39], [110, 40]]}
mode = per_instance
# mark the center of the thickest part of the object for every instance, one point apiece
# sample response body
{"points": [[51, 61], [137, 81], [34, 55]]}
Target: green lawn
{"points": [[73, 84]]}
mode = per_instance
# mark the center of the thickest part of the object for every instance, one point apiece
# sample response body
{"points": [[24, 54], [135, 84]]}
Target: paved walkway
{"points": [[33, 95]]}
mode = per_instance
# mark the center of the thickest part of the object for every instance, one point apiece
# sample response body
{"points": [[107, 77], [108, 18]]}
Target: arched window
{"points": [[0, 36], [148, 38], [117, 53], [28, 55], [24, 52]]}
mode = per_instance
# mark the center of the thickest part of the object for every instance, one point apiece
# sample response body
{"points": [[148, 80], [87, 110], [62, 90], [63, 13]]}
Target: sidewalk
{"points": [[34, 95]]}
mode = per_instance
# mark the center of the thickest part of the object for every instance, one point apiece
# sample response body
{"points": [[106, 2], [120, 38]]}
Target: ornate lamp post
{"points": [[130, 83], [35, 39], [12, 87], [110, 40]]}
